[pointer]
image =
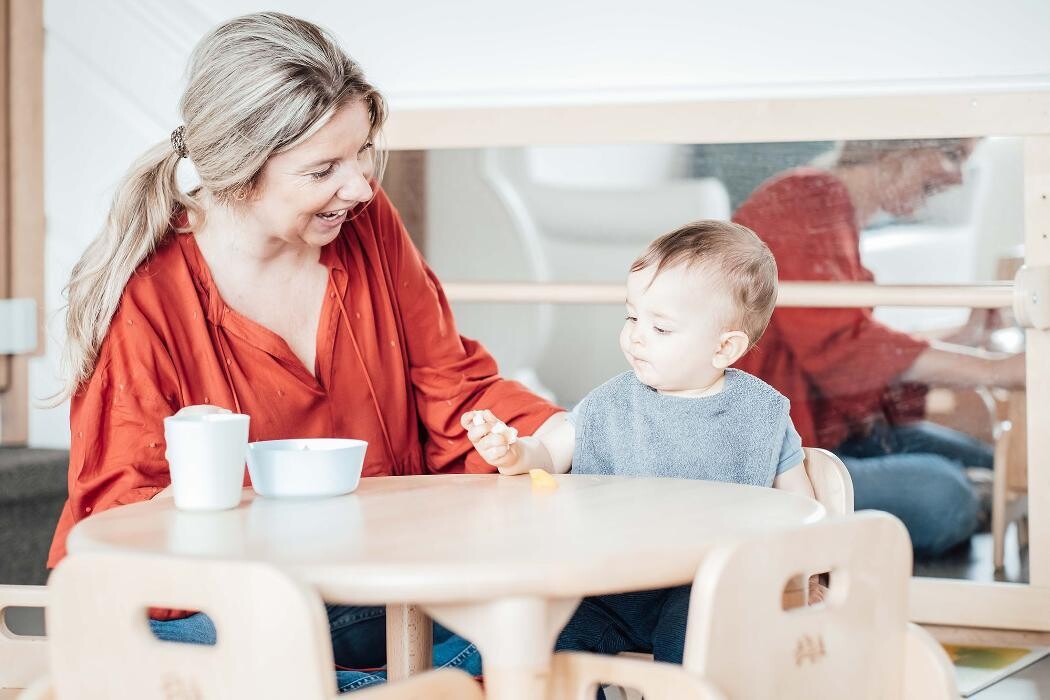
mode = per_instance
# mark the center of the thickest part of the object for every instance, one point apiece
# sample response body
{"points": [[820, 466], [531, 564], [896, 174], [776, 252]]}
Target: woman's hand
{"points": [[496, 442]]}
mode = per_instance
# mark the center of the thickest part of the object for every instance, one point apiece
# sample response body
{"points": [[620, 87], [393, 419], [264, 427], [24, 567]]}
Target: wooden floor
{"points": [[973, 562]]}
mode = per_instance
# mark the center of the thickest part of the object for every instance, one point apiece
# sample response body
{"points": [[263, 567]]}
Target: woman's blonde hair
{"points": [[258, 84], [852, 153]]}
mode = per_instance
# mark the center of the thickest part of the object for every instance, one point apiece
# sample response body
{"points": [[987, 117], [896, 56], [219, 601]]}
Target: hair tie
{"points": [[178, 141]]}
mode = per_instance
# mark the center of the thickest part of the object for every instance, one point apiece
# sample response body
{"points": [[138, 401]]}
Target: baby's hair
{"points": [[732, 254]]}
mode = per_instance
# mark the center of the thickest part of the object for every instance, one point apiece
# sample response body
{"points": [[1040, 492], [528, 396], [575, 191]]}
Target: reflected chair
{"points": [[272, 631], [858, 643], [23, 659], [1009, 473]]}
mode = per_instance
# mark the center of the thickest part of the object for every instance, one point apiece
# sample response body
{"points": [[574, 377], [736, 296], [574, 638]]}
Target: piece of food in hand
{"points": [[502, 428], [478, 419], [541, 479]]}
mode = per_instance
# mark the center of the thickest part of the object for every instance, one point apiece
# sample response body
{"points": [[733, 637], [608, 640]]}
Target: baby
{"points": [[697, 300]]}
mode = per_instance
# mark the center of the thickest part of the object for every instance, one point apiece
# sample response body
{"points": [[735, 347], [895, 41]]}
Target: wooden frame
{"points": [[21, 191], [920, 110]]}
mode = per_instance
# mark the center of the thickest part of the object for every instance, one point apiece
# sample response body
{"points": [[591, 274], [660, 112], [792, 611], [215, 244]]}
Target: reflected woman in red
{"points": [[856, 386]]}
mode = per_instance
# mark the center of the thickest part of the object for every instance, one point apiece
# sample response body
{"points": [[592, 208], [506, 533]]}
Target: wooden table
{"points": [[488, 556]]}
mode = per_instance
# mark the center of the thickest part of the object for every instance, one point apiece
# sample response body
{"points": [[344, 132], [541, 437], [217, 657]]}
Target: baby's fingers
{"points": [[494, 454]]}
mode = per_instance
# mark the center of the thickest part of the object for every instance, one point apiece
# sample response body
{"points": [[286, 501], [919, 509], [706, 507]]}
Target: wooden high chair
{"points": [[23, 659], [832, 485], [576, 676], [272, 631], [858, 643]]}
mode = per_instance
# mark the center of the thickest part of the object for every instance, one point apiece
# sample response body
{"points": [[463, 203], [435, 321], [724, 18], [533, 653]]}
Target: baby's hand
{"points": [[494, 440]]}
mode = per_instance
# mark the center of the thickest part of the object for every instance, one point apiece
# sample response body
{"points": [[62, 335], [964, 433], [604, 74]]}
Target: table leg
{"points": [[516, 638], [409, 641]]}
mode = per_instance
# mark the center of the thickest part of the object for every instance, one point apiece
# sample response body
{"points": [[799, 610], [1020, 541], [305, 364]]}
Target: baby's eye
{"points": [[322, 174], [632, 319], [661, 331]]}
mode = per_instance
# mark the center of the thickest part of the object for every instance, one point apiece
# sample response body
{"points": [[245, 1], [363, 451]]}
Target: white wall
{"points": [[113, 72]]}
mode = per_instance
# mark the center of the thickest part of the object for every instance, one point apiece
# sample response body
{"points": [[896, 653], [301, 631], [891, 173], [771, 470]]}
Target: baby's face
{"points": [[673, 328]]}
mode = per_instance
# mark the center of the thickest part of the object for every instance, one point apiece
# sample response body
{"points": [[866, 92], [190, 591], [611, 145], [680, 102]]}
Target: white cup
{"points": [[206, 455]]}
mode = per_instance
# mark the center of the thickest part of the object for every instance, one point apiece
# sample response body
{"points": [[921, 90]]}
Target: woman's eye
{"points": [[367, 147], [322, 174]]}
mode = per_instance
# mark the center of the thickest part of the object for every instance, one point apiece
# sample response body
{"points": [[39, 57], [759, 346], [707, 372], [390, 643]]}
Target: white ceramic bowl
{"points": [[305, 467]]}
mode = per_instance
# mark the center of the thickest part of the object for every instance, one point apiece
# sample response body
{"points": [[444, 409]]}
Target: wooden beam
{"points": [[24, 189], [405, 184], [5, 226]]}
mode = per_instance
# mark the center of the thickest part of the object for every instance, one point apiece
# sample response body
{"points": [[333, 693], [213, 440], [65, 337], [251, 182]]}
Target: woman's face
{"points": [[908, 178], [303, 194]]}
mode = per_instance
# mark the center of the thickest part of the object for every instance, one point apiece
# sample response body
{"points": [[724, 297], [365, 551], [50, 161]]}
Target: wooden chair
{"points": [[831, 482], [576, 676], [858, 643], [23, 659], [272, 634]]}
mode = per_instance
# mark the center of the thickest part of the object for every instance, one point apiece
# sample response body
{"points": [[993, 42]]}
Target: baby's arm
{"points": [[796, 480], [549, 449]]}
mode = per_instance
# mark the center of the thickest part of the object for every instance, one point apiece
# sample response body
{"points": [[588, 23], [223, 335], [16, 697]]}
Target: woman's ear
{"points": [[731, 347]]}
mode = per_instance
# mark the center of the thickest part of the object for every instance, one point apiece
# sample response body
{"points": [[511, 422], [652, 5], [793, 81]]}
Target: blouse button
{"points": [[88, 509], [331, 295]]}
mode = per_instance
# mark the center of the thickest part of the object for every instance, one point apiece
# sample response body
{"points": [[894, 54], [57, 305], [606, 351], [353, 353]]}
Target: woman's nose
{"points": [[356, 188]]}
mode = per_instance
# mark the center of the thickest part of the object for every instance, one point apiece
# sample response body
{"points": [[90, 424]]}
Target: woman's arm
{"points": [[450, 374], [961, 366]]}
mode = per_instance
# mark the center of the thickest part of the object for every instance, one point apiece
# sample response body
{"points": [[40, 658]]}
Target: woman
{"points": [[852, 380], [284, 287]]}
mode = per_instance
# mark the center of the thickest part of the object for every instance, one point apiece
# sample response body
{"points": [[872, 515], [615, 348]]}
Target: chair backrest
{"points": [[832, 485], [23, 658], [577, 676], [272, 631], [853, 644]]}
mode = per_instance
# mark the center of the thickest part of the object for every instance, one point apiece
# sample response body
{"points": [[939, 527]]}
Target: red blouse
{"points": [[390, 369], [838, 367]]}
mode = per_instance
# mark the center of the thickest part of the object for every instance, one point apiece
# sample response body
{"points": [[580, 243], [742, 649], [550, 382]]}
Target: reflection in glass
{"points": [[863, 382]]}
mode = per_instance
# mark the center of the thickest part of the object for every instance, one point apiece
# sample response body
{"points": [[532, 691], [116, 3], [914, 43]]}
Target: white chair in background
{"points": [[582, 214]]}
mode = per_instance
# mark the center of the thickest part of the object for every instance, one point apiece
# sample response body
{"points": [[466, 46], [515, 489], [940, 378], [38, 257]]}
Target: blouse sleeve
{"points": [[808, 223], [116, 424], [451, 374]]}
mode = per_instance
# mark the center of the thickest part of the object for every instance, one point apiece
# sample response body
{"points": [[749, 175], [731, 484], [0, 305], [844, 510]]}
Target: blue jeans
{"points": [[358, 641], [916, 473]]}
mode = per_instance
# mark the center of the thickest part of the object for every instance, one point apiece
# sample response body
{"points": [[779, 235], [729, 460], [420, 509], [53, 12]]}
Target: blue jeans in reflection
{"points": [[358, 641], [916, 473]]}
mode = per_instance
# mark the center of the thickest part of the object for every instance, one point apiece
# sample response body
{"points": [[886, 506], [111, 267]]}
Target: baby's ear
{"points": [[731, 347]]}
